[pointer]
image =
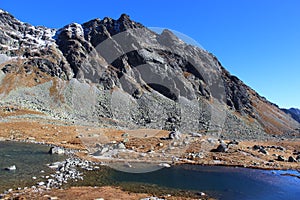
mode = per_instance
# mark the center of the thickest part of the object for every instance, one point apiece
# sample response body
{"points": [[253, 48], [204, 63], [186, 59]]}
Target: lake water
{"points": [[222, 182], [30, 160], [219, 182]]}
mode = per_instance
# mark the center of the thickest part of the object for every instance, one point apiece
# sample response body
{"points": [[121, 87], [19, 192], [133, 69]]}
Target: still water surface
{"points": [[222, 182], [29, 159]]}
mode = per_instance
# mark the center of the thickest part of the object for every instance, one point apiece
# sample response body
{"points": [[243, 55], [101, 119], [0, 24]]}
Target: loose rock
{"points": [[174, 135], [263, 151], [292, 159], [222, 148], [56, 150], [280, 158]]}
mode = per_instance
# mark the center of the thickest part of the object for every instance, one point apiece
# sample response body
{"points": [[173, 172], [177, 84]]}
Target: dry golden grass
{"points": [[20, 78], [273, 119]]}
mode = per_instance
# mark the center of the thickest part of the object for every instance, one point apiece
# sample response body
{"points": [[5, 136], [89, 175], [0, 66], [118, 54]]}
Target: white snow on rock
{"points": [[76, 30]]}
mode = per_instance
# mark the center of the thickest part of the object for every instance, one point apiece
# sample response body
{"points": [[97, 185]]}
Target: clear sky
{"points": [[256, 40]]}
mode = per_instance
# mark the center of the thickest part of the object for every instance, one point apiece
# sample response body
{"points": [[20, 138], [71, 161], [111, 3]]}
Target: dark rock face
{"points": [[294, 112], [237, 96], [33, 46], [120, 70]]}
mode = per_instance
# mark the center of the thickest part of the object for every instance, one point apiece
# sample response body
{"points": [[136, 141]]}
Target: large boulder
{"points": [[222, 148], [56, 150], [281, 158], [292, 159], [174, 135]]}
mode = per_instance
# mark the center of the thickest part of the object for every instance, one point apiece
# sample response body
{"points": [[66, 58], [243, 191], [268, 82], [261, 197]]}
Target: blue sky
{"points": [[256, 40]]}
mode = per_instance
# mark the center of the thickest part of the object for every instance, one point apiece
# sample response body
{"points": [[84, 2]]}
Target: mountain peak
{"points": [[149, 68], [124, 17], [169, 34], [169, 39]]}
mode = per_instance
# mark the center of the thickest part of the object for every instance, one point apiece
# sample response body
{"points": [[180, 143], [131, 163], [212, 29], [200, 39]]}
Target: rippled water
{"points": [[30, 160]]}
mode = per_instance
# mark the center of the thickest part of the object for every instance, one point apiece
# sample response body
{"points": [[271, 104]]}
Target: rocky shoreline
{"points": [[66, 171], [69, 170]]}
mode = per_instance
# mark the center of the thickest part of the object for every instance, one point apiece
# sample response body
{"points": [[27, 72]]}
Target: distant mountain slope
{"points": [[294, 112], [120, 73]]}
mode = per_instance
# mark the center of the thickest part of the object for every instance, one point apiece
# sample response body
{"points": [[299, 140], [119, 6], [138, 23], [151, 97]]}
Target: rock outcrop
{"points": [[294, 112]]}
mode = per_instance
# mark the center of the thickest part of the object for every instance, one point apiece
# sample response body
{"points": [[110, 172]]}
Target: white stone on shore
{"points": [[41, 183], [151, 198], [56, 150], [164, 165]]}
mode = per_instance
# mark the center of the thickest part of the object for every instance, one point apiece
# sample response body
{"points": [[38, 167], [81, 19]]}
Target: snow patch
{"points": [[40, 35], [75, 28]]}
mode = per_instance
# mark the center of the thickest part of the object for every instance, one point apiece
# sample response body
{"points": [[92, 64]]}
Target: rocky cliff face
{"points": [[118, 72], [294, 112]]}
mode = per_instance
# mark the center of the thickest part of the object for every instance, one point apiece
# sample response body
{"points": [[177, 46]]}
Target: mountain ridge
{"points": [[294, 112], [124, 60]]}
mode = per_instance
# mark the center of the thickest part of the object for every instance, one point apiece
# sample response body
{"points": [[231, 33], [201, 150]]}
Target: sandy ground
{"points": [[151, 144]]}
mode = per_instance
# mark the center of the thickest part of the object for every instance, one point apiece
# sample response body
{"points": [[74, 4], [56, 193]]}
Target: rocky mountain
{"points": [[120, 73], [294, 112]]}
